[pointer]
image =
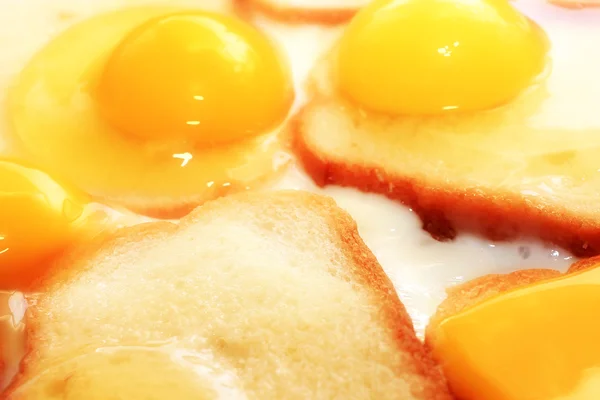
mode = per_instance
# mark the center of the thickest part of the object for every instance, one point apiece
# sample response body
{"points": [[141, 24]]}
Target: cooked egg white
{"points": [[420, 267]]}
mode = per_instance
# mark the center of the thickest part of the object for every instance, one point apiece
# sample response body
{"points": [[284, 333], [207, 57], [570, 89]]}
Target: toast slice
{"points": [[515, 171], [257, 295], [327, 12], [520, 342]]}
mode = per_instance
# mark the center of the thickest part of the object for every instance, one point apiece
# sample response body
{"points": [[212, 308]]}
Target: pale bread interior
{"points": [[268, 295]]}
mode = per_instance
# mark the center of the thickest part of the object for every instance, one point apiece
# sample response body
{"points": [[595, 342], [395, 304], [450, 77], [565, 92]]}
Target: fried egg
{"points": [[158, 109]]}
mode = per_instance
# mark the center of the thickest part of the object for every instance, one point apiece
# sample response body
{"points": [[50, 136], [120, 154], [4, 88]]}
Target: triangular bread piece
{"points": [[267, 295]]}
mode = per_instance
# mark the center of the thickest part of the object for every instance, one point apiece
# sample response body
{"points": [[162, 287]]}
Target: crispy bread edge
{"points": [[444, 210], [299, 15], [365, 268]]}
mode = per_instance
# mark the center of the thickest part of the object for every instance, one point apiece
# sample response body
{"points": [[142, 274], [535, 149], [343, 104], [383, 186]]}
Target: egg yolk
{"points": [[423, 57], [38, 216], [204, 78], [537, 343]]}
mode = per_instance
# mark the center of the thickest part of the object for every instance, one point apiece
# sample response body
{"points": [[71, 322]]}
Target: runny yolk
{"points": [[38, 216], [204, 78], [423, 57], [535, 343]]}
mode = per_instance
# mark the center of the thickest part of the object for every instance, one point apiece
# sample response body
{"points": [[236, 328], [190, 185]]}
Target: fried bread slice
{"points": [[515, 171], [327, 12], [258, 295]]}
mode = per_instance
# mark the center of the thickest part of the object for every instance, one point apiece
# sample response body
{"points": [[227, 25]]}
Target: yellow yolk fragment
{"points": [[535, 343], [423, 57], [38, 216], [205, 78]]}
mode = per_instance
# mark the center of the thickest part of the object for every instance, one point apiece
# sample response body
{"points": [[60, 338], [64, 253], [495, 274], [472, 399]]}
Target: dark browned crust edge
{"points": [[444, 210]]}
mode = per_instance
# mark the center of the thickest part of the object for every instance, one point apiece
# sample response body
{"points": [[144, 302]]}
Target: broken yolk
{"points": [[423, 57], [537, 343], [156, 109], [200, 77], [38, 217]]}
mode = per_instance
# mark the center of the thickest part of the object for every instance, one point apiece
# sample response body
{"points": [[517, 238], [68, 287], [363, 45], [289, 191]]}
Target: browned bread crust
{"points": [[301, 15], [268, 209]]}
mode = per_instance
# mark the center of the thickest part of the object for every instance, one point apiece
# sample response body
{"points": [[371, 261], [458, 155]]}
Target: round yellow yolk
{"points": [[423, 57], [204, 78], [37, 220]]}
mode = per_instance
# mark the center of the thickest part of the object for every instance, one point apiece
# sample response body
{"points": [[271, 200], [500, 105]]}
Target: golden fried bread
{"points": [[257, 295], [540, 324], [328, 12], [488, 172]]}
